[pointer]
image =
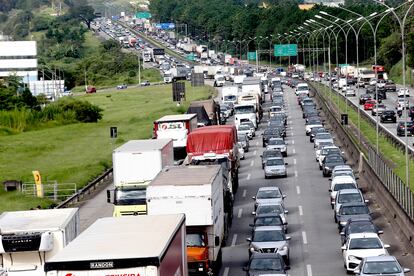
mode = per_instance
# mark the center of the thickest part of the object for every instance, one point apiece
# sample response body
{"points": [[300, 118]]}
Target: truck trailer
{"points": [[126, 246], [197, 192], [29, 238], [135, 164]]}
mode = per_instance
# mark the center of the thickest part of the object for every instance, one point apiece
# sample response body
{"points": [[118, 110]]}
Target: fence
{"points": [[52, 190], [395, 186]]}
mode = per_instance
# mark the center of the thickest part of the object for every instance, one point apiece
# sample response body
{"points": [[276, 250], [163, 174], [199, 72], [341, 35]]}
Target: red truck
{"points": [[212, 145]]}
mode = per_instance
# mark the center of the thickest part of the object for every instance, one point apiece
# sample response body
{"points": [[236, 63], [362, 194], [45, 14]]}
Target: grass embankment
{"points": [[369, 132], [79, 152]]}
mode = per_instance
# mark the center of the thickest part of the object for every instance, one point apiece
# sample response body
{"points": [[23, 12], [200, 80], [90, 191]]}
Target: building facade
{"points": [[19, 58], [331, 3]]}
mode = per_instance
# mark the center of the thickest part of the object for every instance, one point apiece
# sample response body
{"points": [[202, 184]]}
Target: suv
{"points": [[266, 263], [388, 116], [401, 128]]}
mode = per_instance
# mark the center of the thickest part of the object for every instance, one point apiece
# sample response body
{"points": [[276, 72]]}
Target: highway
{"points": [[315, 244]]}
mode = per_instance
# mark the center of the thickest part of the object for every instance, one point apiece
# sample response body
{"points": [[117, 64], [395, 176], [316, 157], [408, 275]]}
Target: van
{"points": [[302, 88]]}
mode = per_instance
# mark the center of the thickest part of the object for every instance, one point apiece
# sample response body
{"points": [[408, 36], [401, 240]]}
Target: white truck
{"points": [[252, 85], [197, 192], [135, 164], [148, 55], [29, 238], [175, 127], [238, 80], [229, 94], [127, 246], [245, 112]]}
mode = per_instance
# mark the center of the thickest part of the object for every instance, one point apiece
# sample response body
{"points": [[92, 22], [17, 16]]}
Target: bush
{"points": [[84, 111]]}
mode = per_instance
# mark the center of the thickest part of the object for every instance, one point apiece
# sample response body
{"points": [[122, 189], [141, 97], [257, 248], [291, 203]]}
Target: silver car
{"points": [[277, 144], [246, 130], [272, 208], [274, 167], [380, 265], [322, 137], [270, 239], [268, 195]]}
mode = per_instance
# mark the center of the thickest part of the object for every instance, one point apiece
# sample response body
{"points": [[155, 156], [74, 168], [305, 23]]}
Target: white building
{"points": [[19, 58], [331, 3], [50, 88]]}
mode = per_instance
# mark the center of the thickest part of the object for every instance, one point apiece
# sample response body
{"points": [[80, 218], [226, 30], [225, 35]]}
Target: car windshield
{"points": [[333, 158], [381, 267], [268, 236], [275, 162], [249, 124], [244, 109], [354, 210], [361, 227], [345, 198], [244, 127], [272, 264], [268, 221], [365, 243], [269, 209], [303, 88], [276, 142], [230, 97], [262, 194], [323, 136], [195, 240], [343, 186]]}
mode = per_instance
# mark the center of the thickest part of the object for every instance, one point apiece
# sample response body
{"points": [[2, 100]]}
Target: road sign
{"points": [[251, 55], [38, 182], [143, 15], [285, 50], [178, 89], [113, 132], [165, 26]]}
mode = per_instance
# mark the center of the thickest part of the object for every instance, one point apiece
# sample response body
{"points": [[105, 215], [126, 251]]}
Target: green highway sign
{"points": [[251, 55], [143, 15], [343, 65], [191, 57], [285, 50]]}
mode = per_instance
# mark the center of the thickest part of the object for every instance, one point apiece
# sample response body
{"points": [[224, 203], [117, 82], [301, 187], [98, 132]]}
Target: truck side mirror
{"points": [[217, 241], [108, 196]]}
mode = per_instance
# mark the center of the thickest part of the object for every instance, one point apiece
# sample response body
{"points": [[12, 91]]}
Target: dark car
{"points": [[358, 225], [314, 131], [351, 210], [388, 116], [390, 86], [411, 112], [270, 154], [269, 220], [266, 263], [271, 133], [329, 163], [401, 128], [364, 97]]}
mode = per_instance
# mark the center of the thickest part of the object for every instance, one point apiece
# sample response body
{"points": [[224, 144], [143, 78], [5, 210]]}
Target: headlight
{"points": [[252, 249], [353, 259], [327, 168], [284, 248], [343, 223]]}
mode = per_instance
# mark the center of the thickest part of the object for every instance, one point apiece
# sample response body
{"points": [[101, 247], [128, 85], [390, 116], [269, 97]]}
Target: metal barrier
{"points": [[87, 190], [52, 190]]}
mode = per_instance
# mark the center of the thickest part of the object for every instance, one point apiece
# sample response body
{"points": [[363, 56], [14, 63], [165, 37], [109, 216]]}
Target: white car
{"points": [[350, 92], [373, 82], [361, 245], [400, 103], [346, 87], [340, 183], [403, 92], [245, 129]]}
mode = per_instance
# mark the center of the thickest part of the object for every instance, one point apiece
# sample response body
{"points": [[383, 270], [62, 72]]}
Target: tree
{"points": [[390, 51], [85, 13]]}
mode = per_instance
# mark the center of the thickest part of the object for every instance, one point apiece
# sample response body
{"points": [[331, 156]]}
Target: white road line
{"points": [[248, 176], [292, 133], [252, 163], [244, 193], [298, 190], [257, 143], [233, 241], [226, 271], [294, 161], [305, 239], [308, 270], [255, 152], [293, 151], [300, 210], [296, 173], [293, 142], [239, 215]]}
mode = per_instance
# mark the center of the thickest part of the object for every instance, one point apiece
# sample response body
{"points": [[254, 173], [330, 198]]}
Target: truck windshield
{"points": [[244, 109], [130, 196], [195, 240]]}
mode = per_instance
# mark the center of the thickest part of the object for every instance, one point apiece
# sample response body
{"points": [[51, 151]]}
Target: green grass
{"points": [[368, 131], [79, 152]]}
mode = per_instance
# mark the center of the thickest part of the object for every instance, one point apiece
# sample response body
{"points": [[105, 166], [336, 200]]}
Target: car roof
{"points": [[343, 179], [363, 235], [349, 191], [268, 228], [275, 158], [384, 258], [269, 188], [271, 204]]}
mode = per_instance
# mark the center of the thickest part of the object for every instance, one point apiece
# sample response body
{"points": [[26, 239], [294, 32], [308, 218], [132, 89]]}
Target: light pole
{"points": [[258, 47], [247, 47]]}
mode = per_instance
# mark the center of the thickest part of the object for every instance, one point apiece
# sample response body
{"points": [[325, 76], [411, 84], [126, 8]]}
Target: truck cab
{"points": [[167, 77], [129, 199], [245, 112], [176, 127]]}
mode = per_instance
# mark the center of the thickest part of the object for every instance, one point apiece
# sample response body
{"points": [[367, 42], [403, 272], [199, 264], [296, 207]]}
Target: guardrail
{"points": [[391, 137], [87, 190], [388, 188]]}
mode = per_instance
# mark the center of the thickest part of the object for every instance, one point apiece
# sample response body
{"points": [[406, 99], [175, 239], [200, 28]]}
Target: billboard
{"points": [[285, 50], [165, 26], [158, 52]]}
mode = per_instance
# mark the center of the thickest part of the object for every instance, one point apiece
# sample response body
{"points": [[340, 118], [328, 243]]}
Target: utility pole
{"points": [[86, 83], [139, 67]]}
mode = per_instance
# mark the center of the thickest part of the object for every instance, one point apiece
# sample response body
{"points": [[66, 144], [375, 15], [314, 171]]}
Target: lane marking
{"points": [[226, 271], [309, 269], [255, 152], [294, 161], [292, 134], [293, 142], [233, 241], [300, 210], [248, 176], [296, 173], [293, 151], [244, 193], [298, 190], [257, 143], [239, 215], [305, 239], [252, 163]]}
